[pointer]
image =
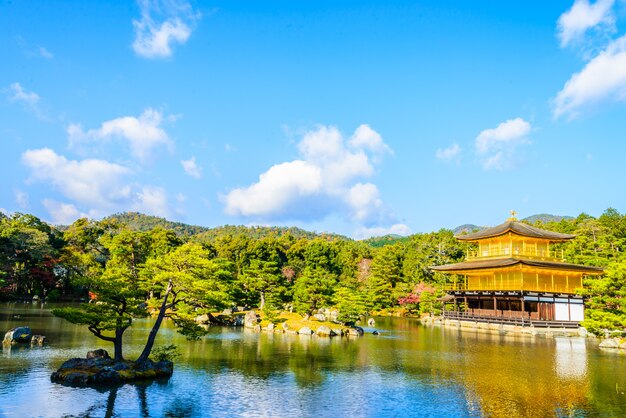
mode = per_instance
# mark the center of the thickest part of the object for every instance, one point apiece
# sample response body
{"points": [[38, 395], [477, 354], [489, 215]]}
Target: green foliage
{"points": [[168, 352]]}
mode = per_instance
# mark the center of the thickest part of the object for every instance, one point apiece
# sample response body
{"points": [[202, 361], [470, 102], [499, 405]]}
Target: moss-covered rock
{"points": [[106, 371]]}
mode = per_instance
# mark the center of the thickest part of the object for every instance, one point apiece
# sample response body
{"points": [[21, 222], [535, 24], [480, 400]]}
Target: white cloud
{"points": [[95, 183], [44, 53], [143, 133], [396, 229], [603, 78], [276, 189], [583, 16], [21, 95], [191, 168], [152, 200], [62, 213], [21, 198], [448, 154], [497, 147], [367, 138], [162, 24], [325, 180], [95, 187], [364, 200]]}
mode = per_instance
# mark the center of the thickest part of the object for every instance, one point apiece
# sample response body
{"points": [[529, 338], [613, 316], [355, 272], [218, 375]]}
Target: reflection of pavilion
{"points": [[571, 358], [516, 276]]}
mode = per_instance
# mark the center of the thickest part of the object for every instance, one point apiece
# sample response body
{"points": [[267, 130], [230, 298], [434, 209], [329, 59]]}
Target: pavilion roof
{"points": [[507, 262], [517, 228]]}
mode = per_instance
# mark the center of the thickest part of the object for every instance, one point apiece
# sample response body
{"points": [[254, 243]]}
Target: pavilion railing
{"points": [[511, 286], [529, 252]]}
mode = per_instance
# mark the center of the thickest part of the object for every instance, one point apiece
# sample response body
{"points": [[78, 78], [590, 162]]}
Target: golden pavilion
{"points": [[515, 275]]}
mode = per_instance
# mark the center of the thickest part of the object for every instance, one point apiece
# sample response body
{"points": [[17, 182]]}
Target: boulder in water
{"points": [[305, 331], [99, 353], [37, 339], [18, 335], [324, 331]]}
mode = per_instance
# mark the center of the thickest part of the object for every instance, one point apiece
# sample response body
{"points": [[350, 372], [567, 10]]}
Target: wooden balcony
{"points": [[529, 252], [515, 285]]}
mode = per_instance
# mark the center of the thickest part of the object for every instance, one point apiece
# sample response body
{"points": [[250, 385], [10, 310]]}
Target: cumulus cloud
{"points": [[448, 154], [583, 16], [162, 24], [94, 187], [327, 178], [143, 133], [603, 78], [191, 168], [152, 200], [395, 229], [497, 147], [95, 183], [21, 198], [62, 213]]}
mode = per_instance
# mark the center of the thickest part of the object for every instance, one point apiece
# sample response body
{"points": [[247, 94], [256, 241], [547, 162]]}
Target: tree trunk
{"points": [[155, 328], [118, 355]]}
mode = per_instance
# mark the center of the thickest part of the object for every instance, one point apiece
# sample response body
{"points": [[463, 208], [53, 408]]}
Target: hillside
{"points": [[385, 240], [545, 218], [141, 222]]}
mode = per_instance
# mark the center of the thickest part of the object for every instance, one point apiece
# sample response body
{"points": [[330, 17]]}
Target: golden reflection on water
{"points": [[505, 380]]}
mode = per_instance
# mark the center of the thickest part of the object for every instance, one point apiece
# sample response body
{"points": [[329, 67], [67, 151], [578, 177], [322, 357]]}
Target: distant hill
{"points": [[385, 240], [467, 229], [545, 218], [140, 222], [266, 231]]}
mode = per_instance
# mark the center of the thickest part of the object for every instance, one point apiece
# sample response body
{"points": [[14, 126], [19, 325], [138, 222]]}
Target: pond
{"points": [[407, 370]]}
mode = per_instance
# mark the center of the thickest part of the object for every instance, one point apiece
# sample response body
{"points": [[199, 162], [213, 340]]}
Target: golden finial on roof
{"points": [[513, 216]]}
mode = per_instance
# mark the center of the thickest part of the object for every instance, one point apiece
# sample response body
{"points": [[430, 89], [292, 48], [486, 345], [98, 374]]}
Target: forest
{"points": [[132, 260]]}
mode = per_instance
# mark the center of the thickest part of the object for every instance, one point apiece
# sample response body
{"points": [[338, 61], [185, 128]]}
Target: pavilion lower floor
{"points": [[525, 308]]}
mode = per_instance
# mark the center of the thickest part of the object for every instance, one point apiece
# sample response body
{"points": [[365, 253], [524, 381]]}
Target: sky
{"points": [[358, 118]]}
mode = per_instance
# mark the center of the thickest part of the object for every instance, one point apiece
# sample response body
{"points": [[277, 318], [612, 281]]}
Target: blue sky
{"points": [[360, 118]]}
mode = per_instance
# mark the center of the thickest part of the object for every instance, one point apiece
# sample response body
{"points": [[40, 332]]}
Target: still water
{"points": [[408, 370]]}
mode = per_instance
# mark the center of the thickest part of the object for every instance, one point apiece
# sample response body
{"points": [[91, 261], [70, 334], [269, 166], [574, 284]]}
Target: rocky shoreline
{"points": [[99, 369]]}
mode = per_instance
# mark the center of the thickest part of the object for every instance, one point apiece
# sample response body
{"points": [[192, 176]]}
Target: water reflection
{"points": [[408, 369]]}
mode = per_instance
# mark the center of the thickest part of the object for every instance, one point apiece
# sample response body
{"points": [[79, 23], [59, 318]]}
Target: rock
{"points": [[306, 317], [371, 322], [582, 331], [202, 319], [251, 319], [337, 331], [257, 328], [106, 371], [17, 335], [375, 332], [333, 315], [305, 331], [320, 317], [37, 339], [324, 331], [270, 326], [238, 320], [227, 312], [99, 353], [609, 343], [285, 326], [355, 332]]}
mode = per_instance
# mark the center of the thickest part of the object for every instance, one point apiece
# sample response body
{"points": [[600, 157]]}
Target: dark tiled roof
{"points": [[506, 262], [517, 228]]}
